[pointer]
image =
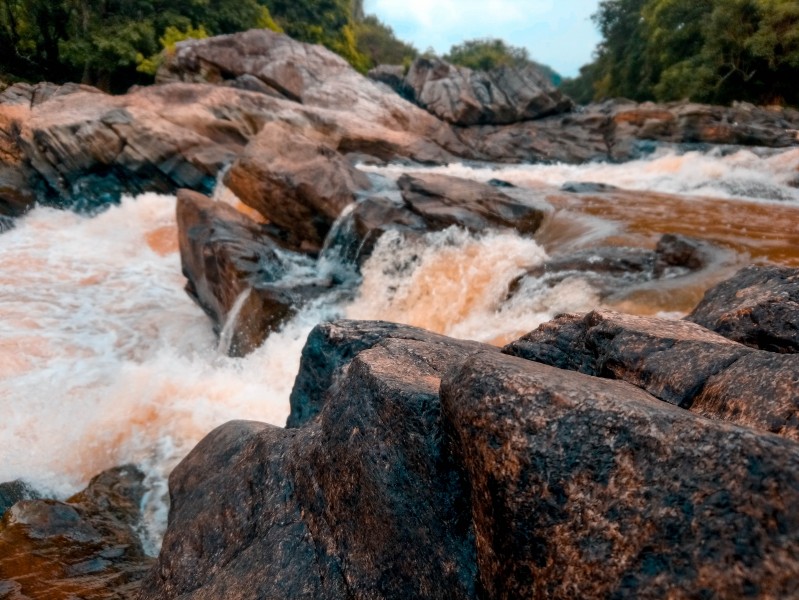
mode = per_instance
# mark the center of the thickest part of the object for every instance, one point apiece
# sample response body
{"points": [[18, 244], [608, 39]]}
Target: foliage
{"points": [[486, 54], [377, 42], [171, 37], [705, 50]]}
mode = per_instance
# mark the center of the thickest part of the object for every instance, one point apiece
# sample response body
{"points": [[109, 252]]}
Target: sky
{"points": [[558, 33]]}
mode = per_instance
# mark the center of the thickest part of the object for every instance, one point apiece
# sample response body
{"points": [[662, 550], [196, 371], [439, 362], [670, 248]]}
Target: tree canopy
{"points": [[705, 50], [489, 53], [115, 43]]}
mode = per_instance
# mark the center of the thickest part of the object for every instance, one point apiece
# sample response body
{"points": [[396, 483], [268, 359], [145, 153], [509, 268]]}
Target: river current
{"points": [[104, 359]]}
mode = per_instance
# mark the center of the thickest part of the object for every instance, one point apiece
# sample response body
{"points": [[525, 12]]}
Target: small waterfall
{"points": [[226, 335]]}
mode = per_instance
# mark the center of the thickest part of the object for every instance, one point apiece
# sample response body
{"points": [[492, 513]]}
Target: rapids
{"points": [[104, 360]]}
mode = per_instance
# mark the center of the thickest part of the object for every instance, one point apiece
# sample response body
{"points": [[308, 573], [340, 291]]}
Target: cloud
{"points": [[557, 33]]}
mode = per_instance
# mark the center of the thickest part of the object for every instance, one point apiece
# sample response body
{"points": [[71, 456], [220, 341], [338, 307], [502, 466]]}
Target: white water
{"points": [[104, 360], [742, 174]]}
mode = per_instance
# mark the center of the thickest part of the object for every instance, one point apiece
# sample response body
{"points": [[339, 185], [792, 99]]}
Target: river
{"points": [[104, 360]]}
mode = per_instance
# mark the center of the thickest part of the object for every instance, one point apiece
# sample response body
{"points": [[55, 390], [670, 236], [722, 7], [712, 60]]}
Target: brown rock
{"points": [[443, 201], [330, 347], [297, 181], [362, 501], [85, 547], [759, 390], [582, 488], [648, 352], [759, 307], [234, 268]]}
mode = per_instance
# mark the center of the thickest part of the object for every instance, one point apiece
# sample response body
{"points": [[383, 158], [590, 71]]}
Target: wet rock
{"points": [[759, 390], [85, 547], [677, 255], [299, 183], [443, 201], [234, 270], [12, 492], [362, 501], [330, 347], [464, 97], [587, 187], [759, 307], [583, 488], [648, 352]]}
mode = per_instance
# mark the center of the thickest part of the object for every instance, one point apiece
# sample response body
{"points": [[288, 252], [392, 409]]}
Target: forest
{"points": [[715, 51]]}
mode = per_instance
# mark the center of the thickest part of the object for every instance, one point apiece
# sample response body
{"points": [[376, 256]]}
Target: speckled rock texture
{"points": [[676, 361], [584, 488], [330, 347], [361, 502], [87, 547], [422, 467], [758, 307], [234, 267]]}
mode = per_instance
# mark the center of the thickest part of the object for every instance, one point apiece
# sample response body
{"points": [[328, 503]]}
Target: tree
{"points": [[486, 54], [378, 43]]}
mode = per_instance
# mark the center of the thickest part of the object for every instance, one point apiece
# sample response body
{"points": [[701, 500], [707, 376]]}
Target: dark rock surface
{"points": [[12, 492], [224, 254], [330, 347], [648, 352], [500, 96], [431, 468], [86, 547], [345, 506], [758, 307], [676, 361], [582, 488]]}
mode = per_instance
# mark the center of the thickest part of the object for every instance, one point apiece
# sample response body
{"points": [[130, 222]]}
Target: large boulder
{"points": [[347, 506], [234, 268], [758, 307], [428, 468], [500, 96], [330, 347], [583, 488], [86, 547], [298, 182]]}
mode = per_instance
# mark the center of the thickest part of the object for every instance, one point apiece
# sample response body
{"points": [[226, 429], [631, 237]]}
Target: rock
{"points": [[587, 187], [393, 76], [443, 201], [582, 488], [675, 361], [759, 390], [234, 270], [759, 307], [299, 183], [85, 547], [500, 96], [346, 506], [330, 347], [677, 255], [12, 492], [611, 269], [648, 352]]}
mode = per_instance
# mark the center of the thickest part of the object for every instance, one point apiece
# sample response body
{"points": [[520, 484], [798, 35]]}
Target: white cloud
{"points": [[557, 33]]}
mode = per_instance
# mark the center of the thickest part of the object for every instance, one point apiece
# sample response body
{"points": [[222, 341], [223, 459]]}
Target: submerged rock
{"points": [[86, 547], [758, 307]]}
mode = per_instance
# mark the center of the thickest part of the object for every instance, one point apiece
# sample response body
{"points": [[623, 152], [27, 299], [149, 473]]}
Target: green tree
{"points": [[377, 42], [486, 54]]}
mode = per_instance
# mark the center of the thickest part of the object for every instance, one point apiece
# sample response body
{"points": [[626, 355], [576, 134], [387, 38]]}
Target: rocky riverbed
{"points": [[601, 454]]}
